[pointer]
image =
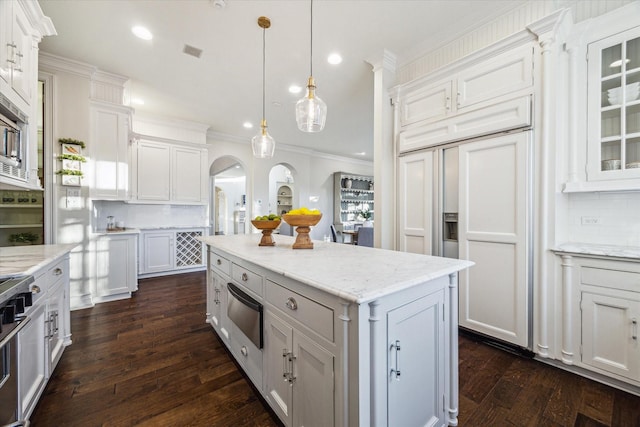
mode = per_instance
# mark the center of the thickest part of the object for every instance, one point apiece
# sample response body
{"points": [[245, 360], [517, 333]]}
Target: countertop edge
{"points": [[629, 253]]}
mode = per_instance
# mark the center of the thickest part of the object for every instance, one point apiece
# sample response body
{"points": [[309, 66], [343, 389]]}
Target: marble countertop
{"points": [[19, 260], [355, 273], [125, 231], [614, 251]]}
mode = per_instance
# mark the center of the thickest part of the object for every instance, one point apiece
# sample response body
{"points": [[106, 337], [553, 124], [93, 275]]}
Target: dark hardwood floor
{"points": [[152, 361]]}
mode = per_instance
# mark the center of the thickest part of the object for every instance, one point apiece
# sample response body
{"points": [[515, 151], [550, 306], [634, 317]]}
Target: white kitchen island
{"points": [[350, 336]]}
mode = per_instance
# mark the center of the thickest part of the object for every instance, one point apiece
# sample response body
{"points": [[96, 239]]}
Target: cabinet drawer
{"points": [[220, 263], [57, 272], [247, 278], [308, 312], [609, 278], [248, 355]]}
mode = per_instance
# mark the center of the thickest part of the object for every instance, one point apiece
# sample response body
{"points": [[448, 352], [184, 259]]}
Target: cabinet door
{"points": [[504, 74], [614, 107], [55, 325], [277, 344], [32, 361], [6, 39], [158, 252], [426, 104], [153, 174], [116, 265], [416, 362], [415, 202], [313, 401], [494, 199], [110, 152], [187, 174], [610, 334], [217, 298], [22, 79]]}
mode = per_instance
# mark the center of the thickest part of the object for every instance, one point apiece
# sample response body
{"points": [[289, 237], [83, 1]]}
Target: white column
{"points": [[452, 410], [344, 317], [383, 151], [572, 175], [378, 412], [567, 309]]}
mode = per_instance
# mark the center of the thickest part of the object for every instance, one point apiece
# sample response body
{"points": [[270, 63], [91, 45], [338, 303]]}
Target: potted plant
{"points": [[21, 239], [365, 214]]}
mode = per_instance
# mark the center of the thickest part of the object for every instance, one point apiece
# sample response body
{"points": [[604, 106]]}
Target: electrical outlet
{"points": [[591, 220], [74, 200]]}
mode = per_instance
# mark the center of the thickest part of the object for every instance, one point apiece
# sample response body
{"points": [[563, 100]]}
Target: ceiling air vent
{"points": [[193, 51]]}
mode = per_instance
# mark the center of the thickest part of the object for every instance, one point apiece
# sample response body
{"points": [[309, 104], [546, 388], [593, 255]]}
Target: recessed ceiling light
{"points": [[334, 59], [142, 32], [247, 125], [295, 89]]}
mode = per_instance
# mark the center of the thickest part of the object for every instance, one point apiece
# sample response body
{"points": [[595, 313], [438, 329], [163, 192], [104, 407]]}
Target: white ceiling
{"points": [[223, 88]]}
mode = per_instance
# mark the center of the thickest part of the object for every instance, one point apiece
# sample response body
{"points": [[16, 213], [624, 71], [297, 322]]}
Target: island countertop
{"points": [[355, 273], [19, 260]]}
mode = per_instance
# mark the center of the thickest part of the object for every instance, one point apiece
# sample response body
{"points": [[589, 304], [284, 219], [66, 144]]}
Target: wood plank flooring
{"points": [[152, 361]]}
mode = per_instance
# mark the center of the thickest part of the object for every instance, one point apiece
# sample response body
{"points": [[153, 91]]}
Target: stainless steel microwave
{"points": [[11, 148]]}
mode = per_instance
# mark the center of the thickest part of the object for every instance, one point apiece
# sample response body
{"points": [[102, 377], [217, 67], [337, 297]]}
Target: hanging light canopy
{"points": [[263, 145], [311, 111]]}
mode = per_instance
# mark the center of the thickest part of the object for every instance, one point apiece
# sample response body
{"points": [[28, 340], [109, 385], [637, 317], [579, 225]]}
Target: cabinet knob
{"points": [[219, 261], [57, 272], [244, 351], [35, 289], [291, 304], [245, 277]]}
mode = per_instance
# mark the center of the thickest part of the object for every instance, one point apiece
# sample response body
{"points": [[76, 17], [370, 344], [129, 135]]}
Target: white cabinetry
{"points": [[353, 194], [217, 305], [33, 360], [601, 311], [171, 251], [416, 362], [486, 97], [416, 201], [17, 56], [614, 108], [110, 126], [299, 371], [332, 361], [493, 229], [116, 266], [170, 173], [42, 341]]}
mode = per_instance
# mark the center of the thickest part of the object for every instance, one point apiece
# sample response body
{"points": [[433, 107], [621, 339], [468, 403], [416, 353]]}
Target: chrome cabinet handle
{"points": [[634, 333], [245, 277], [447, 103], [291, 304], [396, 372], [458, 100], [35, 289], [285, 365], [57, 272]]}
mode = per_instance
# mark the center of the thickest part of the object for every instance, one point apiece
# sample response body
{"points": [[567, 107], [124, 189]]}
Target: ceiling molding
{"points": [[52, 63]]}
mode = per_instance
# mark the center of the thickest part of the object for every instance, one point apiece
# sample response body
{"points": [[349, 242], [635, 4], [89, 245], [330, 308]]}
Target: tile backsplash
{"points": [[148, 216], [604, 218]]}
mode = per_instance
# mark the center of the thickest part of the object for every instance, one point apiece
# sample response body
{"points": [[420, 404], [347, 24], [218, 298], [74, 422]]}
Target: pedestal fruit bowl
{"points": [[303, 223], [267, 226]]}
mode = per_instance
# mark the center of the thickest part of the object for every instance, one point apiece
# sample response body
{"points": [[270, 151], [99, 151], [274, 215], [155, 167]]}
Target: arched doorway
{"points": [[228, 199]]}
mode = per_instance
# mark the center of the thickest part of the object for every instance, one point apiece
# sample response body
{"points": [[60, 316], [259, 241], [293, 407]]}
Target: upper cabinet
{"points": [[613, 151], [479, 98], [169, 173], [110, 126]]}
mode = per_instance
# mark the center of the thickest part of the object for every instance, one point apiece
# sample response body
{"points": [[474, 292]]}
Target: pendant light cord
{"points": [[263, 72], [311, 39]]}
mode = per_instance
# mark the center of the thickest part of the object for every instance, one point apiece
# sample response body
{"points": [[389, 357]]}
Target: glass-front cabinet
{"points": [[614, 107]]}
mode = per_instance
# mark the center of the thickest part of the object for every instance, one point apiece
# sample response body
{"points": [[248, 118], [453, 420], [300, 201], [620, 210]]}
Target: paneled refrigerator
{"points": [[473, 200]]}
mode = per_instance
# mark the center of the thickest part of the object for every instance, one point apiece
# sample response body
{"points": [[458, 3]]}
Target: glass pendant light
{"points": [[311, 111], [263, 145]]}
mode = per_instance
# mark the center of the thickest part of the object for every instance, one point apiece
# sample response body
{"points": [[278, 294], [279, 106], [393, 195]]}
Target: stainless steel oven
{"points": [[246, 313], [11, 147]]}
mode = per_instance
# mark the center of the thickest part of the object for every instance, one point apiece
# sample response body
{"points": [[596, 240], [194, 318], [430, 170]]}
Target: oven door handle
{"points": [[244, 298], [14, 331]]}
